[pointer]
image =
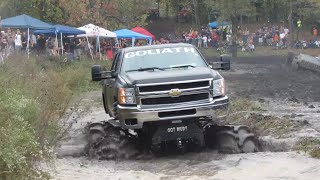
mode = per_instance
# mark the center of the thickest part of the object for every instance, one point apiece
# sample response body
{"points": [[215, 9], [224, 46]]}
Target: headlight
{"points": [[126, 96], [219, 88]]}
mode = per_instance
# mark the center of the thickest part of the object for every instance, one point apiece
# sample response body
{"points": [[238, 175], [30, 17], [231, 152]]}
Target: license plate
{"points": [[177, 129]]}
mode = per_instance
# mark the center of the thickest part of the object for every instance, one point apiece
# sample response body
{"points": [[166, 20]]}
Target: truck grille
{"points": [[168, 87], [170, 100]]}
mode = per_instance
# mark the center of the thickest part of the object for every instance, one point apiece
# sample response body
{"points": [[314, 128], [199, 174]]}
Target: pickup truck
{"points": [[164, 94]]}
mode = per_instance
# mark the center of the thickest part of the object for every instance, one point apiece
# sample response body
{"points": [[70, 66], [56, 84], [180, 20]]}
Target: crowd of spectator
{"points": [[16, 41], [274, 36]]}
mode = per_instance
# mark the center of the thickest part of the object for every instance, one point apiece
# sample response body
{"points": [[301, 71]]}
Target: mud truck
{"points": [[303, 61], [162, 97]]}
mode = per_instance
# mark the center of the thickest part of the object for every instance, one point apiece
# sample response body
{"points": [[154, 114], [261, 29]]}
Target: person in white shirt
{"points": [[282, 35], [18, 41], [286, 31], [205, 41]]}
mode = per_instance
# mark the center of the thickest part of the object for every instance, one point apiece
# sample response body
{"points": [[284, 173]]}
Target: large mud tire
{"points": [[106, 142], [231, 139]]}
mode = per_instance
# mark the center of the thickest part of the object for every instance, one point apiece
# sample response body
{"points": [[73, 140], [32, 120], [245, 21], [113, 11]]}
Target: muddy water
{"points": [[283, 96], [201, 166]]}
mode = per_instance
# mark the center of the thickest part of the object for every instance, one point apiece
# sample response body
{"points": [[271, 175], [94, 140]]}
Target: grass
{"points": [[249, 113], [310, 146], [34, 95]]}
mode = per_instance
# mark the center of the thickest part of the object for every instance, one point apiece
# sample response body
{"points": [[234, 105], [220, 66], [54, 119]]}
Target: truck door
{"points": [[111, 85]]}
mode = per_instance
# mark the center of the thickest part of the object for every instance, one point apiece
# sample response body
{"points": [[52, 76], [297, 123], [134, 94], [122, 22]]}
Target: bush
{"points": [[34, 94]]}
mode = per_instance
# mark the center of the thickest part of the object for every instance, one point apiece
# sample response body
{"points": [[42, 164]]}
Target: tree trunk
{"points": [[234, 36], [196, 12], [291, 30]]}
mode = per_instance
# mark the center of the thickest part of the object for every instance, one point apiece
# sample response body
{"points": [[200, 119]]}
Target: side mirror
{"points": [[98, 75], [223, 64]]}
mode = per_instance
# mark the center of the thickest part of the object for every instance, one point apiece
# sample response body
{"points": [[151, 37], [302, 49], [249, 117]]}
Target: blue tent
{"points": [[216, 24], [126, 33], [24, 21], [60, 29]]}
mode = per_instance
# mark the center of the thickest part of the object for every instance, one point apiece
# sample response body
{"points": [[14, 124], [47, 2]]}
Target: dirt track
{"points": [[281, 91]]}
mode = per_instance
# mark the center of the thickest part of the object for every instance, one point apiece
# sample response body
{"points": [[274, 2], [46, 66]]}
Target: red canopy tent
{"points": [[143, 31]]}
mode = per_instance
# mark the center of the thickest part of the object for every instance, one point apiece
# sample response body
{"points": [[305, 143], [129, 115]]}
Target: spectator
{"points": [[11, 42], [18, 41], [66, 43], [109, 50], [24, 40], [205, 41], [199, 38], [4, 42], [77, 48], [41, 44]]}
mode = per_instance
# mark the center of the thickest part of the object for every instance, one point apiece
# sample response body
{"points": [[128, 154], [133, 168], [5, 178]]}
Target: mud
{"points": [[280, 92], [268, 77]]}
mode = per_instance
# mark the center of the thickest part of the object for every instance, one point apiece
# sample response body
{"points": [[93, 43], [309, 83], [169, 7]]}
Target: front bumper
{"points": [[142, 115]]}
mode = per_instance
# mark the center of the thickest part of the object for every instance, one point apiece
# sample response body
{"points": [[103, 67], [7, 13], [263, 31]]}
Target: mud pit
{"points": [[279, 91]]}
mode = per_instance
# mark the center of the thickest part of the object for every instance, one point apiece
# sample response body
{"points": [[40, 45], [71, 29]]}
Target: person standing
{"points": [[41, 45], [199, 39], [299, 25], [109, 50], [18, 41], [205, 41], [33, 41], [24, 40], [4, 42], [11, 42], [77, 48]]}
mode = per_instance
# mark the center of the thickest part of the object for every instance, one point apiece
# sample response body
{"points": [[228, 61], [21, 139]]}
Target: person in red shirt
{"points": [[215, 39], [276, 37]]}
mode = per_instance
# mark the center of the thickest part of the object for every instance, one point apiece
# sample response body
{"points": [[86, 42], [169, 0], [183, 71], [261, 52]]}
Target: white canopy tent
{"points": [[93, 31], [96, 31]]}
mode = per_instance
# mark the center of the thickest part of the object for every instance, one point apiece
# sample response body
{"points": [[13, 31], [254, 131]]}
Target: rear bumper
{"points": [[194, 110]]}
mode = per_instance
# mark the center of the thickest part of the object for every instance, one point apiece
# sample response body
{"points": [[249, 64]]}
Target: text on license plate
{"points": [[177, 129]]}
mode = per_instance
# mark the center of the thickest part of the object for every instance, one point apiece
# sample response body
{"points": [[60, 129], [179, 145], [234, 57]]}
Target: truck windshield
{"points": [[162, 59]]}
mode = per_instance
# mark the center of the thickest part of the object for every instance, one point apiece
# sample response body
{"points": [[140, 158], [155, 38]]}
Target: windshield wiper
{"points": [[183, 66], [147, 69]]}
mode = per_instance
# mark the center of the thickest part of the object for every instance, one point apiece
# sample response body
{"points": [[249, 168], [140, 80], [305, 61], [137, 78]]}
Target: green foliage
{"points": [[309, 145], [34, 94], [249, 113]]}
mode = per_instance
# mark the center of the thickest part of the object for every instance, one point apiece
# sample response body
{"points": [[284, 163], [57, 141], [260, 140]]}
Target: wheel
{"points": [[231, 139], [106, 142], [295, 66]]}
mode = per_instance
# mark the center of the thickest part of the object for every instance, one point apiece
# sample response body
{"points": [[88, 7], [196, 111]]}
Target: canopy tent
{"points": [[216, 24], [128, 34], [96, 31], [143, 31], [60, 29], [24, 21]]}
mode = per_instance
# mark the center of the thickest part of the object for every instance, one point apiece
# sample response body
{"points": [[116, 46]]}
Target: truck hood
{"points": [[147, 77]]}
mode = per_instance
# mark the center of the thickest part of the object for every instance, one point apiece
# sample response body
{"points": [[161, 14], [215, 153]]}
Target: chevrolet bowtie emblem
{"points": [[175, 92]]}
